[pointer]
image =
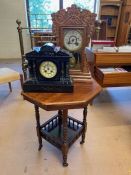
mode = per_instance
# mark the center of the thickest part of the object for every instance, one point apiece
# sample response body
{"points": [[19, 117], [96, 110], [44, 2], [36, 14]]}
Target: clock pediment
{"points": [[72, 20], [73, 16]]}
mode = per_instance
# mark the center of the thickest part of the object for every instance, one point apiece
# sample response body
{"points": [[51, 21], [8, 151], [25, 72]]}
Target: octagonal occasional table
{"points": [[63, 130]]}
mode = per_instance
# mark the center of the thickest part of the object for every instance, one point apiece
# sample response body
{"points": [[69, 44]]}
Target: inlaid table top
{"points": [[83, 93]]}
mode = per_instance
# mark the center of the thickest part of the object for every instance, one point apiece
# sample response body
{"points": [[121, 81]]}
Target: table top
{"points": [[83, 93]]}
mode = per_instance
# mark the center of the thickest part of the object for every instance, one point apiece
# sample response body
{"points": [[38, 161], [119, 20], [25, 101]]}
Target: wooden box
{"points": [[113, 78]]}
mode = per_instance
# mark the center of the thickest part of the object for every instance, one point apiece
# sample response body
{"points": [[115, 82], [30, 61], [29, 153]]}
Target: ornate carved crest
{"points": [[73, 16]]}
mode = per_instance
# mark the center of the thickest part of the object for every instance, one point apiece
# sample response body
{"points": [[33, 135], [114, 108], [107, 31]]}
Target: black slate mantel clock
{"points": [[48, 70]]}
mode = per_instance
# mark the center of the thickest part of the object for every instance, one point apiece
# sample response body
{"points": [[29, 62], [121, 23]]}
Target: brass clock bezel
{"points": [[46, 74]]}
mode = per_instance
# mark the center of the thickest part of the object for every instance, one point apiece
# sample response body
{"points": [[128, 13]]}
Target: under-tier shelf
{"points": [[52, 131]]}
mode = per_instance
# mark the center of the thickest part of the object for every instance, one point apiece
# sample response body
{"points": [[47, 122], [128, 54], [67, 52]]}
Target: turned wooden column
{"points": [[84, 124], [64, 146], [60, 121], [37, 115]]}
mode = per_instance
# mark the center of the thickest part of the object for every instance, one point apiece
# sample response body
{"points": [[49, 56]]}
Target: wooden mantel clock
{"points": [[73, 28]]}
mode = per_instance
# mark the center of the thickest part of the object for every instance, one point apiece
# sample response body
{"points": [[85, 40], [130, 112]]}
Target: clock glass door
{"points": [[73, 42]]}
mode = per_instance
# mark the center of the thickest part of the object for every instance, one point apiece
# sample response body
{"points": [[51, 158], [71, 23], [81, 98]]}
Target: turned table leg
{"points": [[65, 145], [84, 124], [10, 87], [38, 126], [60, 121]]}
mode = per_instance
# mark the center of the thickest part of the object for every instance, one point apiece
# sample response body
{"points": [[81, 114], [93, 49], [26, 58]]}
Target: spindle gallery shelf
{"points": [[52, 131]]}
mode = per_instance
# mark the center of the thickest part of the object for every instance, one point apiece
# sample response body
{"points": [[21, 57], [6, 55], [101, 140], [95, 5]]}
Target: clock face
{"points": [[73, 40], [48, 69]]}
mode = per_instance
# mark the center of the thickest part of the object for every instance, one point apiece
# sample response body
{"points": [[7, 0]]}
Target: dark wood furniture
{"points": [[125, 24], [100, 30], [110, 11], [62, 130], [129, 36], [121, 61]]}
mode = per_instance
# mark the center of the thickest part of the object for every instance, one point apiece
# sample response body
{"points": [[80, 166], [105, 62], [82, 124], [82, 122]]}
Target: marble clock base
{"points": [[56, 86]]}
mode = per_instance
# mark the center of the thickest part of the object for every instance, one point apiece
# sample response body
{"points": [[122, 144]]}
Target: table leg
{"points": [[65, 145], [84, 124], [38, 126], [60, 121], [10, 87]]}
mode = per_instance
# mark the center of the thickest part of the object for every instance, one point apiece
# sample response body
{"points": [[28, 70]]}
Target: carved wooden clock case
{"points": [[73, 28]]}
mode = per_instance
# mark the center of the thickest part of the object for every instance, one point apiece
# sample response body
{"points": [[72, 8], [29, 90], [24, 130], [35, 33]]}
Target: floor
{"points": [[107, 150]]}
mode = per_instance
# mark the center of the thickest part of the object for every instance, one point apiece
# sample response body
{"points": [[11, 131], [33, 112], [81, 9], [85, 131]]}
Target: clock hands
{"points": [[73, 40]]}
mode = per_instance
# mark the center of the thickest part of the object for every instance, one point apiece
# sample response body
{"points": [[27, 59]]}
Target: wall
{"points": [[9, 41]]}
